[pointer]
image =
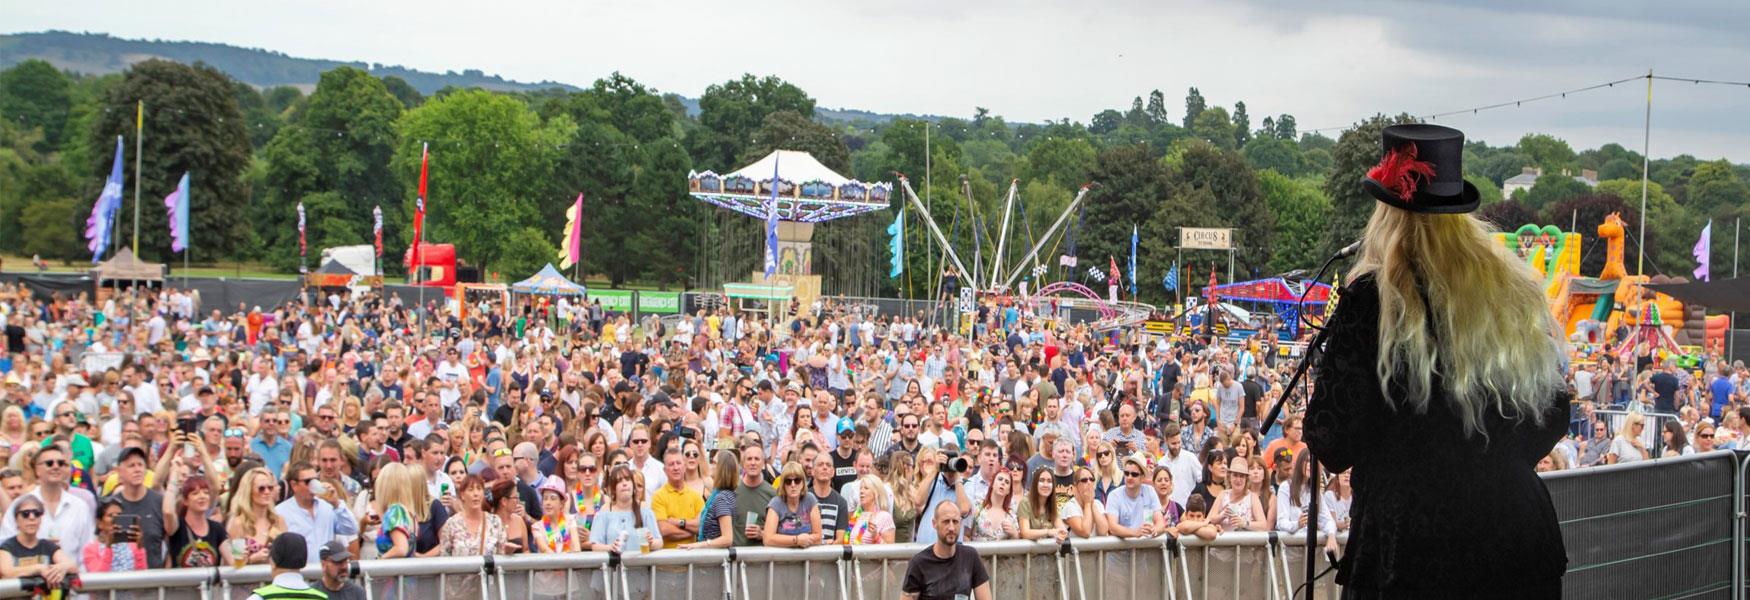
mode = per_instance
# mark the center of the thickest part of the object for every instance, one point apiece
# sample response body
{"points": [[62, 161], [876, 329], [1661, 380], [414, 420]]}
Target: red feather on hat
{"points": [[1396, 171]]}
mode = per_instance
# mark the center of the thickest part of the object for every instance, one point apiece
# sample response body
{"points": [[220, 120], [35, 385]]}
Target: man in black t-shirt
{"points": [[946, 570], [144, 506], [1665, 384]]}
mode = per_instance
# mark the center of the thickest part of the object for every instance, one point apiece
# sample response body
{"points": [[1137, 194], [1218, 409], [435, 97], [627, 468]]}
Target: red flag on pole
{"points": [[1117, 275], [1211, 289], [419, 203]]}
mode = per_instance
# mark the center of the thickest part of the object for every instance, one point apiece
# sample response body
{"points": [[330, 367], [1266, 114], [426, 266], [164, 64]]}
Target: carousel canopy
{"points": [[808, 192], [1274, 289], [548, 282]]}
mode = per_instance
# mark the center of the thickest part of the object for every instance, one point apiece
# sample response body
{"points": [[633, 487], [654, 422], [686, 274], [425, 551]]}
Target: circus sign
{"points": [[1202, 238]]}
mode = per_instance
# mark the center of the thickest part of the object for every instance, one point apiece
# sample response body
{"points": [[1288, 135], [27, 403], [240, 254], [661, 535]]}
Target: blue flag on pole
{"points": [[1172, 280], [772, 222], [1133, 260], [896, 244], [100, 226]]}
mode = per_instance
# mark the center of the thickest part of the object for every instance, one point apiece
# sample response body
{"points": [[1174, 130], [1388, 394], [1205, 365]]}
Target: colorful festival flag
{"points": [[1704, 252], [1132, 276], [1172, 280], [896, 244], [571, 250], [772, 222], [177, 204], [419, 203], [302, 248], [377, 228], [101, 225]]}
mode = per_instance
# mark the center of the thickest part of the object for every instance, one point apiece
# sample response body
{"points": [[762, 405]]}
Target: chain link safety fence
{"points": [[1667, 528]]}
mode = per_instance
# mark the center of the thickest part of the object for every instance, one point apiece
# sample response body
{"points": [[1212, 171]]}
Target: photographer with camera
{"points": [[945, 481]]}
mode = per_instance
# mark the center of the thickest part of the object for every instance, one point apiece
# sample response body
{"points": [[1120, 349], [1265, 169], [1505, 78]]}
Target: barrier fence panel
{"points": [[1652, 529]]}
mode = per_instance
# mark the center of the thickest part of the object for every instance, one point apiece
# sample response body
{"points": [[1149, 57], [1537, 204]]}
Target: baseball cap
{"points": [[131, 451], [844, 426], [334, 551]]}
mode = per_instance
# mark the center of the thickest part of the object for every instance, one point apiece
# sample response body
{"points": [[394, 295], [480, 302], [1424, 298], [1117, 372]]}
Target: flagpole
{"points": [[1732, 323], [1646, 149], [139, 138]]}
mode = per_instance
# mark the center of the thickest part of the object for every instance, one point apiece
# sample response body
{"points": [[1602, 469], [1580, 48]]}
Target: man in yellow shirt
{"points": [[676, 506]]}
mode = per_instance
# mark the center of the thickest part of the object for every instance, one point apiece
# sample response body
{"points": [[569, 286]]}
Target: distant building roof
{"points": [[1525, 179]]}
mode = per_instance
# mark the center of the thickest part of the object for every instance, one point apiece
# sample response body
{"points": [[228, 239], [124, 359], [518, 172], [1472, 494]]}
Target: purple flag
{"points": [[1703, 251], [772, 221], [177, 204], [101, 225]]}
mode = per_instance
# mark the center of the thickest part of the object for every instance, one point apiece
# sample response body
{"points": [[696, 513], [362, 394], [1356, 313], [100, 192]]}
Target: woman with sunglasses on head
{"points": [[624, 524], [252, 522], [793, 517], [24, 555]]}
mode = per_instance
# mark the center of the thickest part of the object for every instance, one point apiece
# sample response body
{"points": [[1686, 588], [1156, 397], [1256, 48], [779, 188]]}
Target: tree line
{"points": [[505, 166]]}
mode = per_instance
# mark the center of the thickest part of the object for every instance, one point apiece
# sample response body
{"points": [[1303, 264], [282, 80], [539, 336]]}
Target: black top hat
{"points": [[1422, 170]]}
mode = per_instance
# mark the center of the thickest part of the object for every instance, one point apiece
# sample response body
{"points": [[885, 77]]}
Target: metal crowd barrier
{"points": [[1239, 565], [1666, 528]]}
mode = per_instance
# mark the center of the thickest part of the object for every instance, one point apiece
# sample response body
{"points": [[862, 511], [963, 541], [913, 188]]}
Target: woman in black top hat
{"points": [[1441, 387]]}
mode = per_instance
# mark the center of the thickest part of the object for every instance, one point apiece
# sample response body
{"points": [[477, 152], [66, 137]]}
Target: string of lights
{"points": [[1551, 96]]}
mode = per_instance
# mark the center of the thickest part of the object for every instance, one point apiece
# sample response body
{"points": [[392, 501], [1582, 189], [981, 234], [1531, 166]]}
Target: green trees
{"points": [[489, 158], [33, 94], [1302, 214], [729, 112], [338, 142], [193, 125], [1553, 188], [624, 158]]}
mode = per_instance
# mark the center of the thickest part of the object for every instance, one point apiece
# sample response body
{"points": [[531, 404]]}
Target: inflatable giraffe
{"points": [[1611, 231]]}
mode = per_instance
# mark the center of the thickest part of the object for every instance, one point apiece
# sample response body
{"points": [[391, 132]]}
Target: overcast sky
{"points": [[1328, 63]]}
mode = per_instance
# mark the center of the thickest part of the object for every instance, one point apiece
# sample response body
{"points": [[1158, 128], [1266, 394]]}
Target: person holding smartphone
{"points": [[117, 545]]}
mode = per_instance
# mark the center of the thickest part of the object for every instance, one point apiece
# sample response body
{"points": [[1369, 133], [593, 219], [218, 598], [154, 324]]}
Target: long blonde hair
{"points": [[242, 511], [401, 484], [1493, 339]]}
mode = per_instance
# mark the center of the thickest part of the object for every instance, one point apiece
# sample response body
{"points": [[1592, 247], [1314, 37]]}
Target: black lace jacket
{"points": [[1436, 513]]}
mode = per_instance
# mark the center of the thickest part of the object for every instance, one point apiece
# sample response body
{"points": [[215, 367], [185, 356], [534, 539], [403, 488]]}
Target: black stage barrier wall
{"points": [[1651, 529]]}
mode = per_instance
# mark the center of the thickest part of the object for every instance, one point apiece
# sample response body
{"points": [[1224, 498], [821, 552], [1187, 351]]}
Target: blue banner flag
{"points": [[1172, 280], [100, 226], [896, 244], [1132, 260], [772, 222]]}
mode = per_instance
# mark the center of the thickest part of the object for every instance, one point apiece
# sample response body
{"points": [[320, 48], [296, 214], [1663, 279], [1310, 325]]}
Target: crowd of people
{"points": [[144, 430]]}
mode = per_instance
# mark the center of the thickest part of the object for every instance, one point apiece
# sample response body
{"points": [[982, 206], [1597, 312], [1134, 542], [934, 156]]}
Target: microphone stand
{"points": [[1312, 348]]}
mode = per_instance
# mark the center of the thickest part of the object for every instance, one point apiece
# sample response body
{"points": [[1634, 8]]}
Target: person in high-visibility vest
{"points": [[288, 553]]}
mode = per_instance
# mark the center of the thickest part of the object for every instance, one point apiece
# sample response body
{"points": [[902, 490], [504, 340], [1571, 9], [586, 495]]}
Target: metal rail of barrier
{"points": [[1665, 528], [1238, 565]]}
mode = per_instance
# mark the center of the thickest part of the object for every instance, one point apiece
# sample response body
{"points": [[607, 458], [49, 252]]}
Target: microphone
{"points": [[1349, 250]]}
